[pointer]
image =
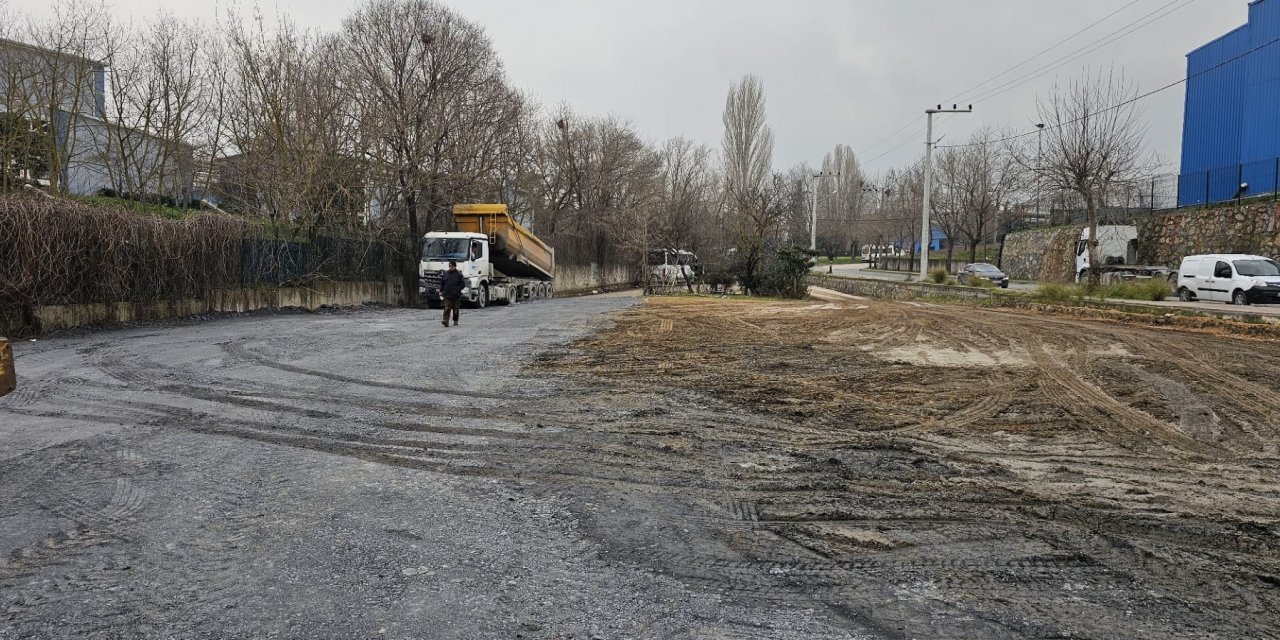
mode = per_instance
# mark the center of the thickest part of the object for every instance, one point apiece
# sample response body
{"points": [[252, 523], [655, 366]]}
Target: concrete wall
{"points": [[912, 265], [576, 279], [1047, 255], [1166, 239], [51, 318]]}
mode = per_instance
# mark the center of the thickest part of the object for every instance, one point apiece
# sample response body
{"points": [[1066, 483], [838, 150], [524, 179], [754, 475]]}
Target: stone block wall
{"points": [[1167, 238], [1046, 255]]}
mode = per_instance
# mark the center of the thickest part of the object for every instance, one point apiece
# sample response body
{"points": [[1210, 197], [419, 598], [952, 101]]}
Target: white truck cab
{"points": [[469, 250], [1233, 278], [1116, 246]]}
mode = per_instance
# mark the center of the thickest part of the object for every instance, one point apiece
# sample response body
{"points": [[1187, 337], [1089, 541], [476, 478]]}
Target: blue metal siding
{"points": [[1231, 128], [1215, 104], [1260, 139]]}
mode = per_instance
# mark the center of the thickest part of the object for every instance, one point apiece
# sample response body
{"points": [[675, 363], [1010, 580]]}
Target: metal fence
{"points": [[1242, 181]]}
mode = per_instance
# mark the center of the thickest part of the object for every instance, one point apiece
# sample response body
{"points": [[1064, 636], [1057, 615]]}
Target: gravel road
{"points": [[681, 468], [360, 474]]}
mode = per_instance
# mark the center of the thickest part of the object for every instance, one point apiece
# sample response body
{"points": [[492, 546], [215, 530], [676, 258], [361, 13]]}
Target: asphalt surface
{"points": [[359, 474]]}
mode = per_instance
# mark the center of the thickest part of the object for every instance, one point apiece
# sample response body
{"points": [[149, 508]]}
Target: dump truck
{"points": [[501, 261], [8, 373]]}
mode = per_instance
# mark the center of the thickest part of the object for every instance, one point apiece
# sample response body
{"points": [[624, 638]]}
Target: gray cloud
{"points": [[836, 71]]}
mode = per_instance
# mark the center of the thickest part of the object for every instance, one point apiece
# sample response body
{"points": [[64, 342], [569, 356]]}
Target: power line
{"points": [[1122, 104], [1055, 46], [1132, 27], [908, 124]]}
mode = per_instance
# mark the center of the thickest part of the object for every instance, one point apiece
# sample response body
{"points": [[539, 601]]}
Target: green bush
{"points": [[981, 283], [1154, 289], [938, 276], [1054, 292], [783, 273]]}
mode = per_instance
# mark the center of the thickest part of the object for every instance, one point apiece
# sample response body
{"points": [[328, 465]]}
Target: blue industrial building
{"points": [[1231, 130]]}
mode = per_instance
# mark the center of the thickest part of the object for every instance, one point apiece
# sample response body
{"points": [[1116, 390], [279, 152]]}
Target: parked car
{"points": [[1229, 277], [986, 271]]}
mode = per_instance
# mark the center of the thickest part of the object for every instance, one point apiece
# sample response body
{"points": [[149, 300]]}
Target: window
{"points": [[477, 249], [1257, 267], [441, 249], [1223, 270]]}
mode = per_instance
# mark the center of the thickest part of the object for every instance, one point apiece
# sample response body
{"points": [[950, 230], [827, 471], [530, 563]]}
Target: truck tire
{"points": [[483, 300]]}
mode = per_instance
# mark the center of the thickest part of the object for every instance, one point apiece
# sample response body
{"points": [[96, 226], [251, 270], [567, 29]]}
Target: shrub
{"points": [[1055, 292], [938, 276], [981, 283], [783, 273], [1154, 289]]}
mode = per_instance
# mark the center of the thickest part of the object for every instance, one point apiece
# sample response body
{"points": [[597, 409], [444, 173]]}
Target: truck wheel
{"points": [[1240, 298], [550, 292], [1185, 295], [483, 300]]}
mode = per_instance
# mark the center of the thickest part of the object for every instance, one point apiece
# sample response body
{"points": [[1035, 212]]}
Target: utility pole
{"points": [[926, 233], [1039, 169], [813, 218]]}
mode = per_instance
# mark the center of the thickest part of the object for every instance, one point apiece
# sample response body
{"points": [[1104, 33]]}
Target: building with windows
{"points": [[1231, 130], [55, 131]]}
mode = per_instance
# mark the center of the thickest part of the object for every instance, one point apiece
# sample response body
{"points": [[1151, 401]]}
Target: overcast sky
{"points": [[835, 71]]}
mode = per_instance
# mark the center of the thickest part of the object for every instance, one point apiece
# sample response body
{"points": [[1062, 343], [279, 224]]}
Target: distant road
{"points": [[861, 271]]}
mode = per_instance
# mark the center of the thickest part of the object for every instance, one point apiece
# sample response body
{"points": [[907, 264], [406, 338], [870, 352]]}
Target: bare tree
{"points": [[754, 198], [1093, 144], [993, 179], [842, 201], [68, 48], [429, 87]]}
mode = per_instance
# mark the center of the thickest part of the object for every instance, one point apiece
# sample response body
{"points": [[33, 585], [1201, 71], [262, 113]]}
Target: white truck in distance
{"points": [[1117, 256], [501, 261]]}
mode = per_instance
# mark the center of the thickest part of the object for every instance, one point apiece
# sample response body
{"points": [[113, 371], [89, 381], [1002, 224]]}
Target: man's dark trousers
{"points": [[451, 306]]}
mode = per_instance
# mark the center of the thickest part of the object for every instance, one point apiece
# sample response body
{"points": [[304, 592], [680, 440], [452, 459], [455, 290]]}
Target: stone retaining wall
{"points": [[1166, 239], [1046, 255]]}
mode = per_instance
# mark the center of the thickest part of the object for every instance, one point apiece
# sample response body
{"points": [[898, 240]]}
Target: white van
{"points": [[1232, 278]]}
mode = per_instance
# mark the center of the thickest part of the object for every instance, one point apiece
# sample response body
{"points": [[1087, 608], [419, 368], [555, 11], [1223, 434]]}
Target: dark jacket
{"points": [[452, 284]]}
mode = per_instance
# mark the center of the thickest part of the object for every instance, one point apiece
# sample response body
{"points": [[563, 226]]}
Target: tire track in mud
{"points": [[1015, 599]]}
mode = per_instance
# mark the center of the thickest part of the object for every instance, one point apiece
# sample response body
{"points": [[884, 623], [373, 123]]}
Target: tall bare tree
{"points": [[429, 87], [1094, 144], [754, 195]]}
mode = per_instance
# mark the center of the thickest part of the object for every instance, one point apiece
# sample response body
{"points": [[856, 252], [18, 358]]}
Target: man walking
{"points": [[451, 287]]}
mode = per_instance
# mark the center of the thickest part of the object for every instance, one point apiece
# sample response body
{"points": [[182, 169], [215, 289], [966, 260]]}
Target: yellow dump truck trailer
{"points": [[502, 261], [8, 374]]}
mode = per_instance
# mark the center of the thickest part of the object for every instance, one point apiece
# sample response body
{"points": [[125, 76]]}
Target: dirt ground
{"points": [[671, 468], [937, 471]]}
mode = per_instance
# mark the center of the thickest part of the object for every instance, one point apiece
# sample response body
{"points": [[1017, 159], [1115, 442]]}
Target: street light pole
{"points": [[926, 233], [813, 216]]}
